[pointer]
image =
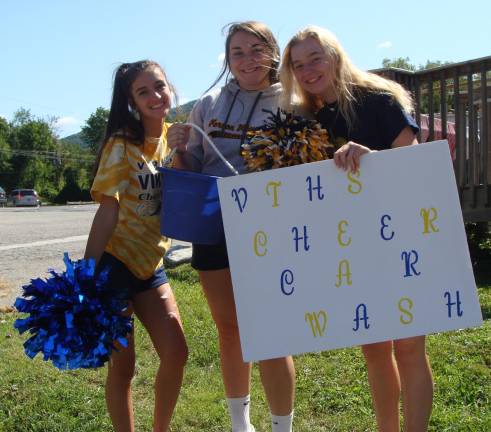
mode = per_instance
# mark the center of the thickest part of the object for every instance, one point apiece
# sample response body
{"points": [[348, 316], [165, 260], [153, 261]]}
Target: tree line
{"points": [[33, 156]]}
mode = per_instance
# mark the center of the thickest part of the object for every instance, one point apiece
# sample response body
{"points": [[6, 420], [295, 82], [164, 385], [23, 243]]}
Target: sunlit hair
{"points": [[347, 79], [264, 34], [122, 121]]}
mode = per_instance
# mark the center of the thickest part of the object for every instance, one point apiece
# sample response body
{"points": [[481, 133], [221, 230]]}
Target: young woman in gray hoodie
{"points": [[226, 114]]}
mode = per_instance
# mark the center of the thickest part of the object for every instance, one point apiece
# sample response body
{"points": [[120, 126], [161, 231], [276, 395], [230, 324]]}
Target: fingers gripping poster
{"points": [[322, 258]]}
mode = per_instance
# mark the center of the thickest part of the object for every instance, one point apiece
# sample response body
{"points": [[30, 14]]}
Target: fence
{"points": [[454, 102]]}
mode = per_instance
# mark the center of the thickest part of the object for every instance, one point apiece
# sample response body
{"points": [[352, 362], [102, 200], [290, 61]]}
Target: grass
{"points": [[332, 389]]}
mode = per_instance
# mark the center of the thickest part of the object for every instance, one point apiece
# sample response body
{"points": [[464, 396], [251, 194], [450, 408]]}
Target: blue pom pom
{"points": [[73, 318]]}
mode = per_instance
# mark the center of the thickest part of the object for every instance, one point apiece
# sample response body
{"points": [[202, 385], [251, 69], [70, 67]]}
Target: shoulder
{"points": [[211, 96], [206, 102], [121, 137], [374, 98], [377, 103], [116, 146], [274, 89], [115, 141]]}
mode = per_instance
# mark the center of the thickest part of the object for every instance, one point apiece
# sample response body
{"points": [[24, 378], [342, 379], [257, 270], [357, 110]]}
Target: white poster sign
{"points": [[322, 258]]}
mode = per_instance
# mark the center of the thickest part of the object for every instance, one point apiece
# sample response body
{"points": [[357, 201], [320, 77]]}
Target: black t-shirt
{"points": [[379, 120]]}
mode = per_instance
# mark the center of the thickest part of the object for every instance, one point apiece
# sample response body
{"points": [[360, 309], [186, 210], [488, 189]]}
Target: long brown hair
{"points": [[264, 34], [122, 120]]}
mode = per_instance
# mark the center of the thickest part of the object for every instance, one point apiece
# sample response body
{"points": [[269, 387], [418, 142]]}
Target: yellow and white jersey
{"points": [[127, 172]]}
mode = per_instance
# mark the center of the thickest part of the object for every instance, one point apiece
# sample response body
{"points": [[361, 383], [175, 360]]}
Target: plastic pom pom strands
{"points": [[73, 318], [286, 140]]}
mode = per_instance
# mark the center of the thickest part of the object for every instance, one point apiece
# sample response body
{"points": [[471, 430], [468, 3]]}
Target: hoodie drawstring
{"points": [[251, 112], [229, 111], [246, 128]]}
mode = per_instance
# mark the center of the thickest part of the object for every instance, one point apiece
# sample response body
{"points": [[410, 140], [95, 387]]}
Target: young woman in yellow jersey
{"points": [[125, 236]]}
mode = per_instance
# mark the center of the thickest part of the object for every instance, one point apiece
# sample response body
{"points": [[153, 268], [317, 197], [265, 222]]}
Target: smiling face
{"points": [[250, 61], [151, 95], [311, 68]]}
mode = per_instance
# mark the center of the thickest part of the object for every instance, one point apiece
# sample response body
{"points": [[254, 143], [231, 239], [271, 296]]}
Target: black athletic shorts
{"points": [[210, 257]]}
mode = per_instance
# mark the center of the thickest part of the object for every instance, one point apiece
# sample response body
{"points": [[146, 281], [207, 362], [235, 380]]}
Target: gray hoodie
{"points": [[225, 114]]}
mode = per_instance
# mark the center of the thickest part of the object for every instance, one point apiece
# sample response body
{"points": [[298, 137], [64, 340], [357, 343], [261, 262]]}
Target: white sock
{"points": [[238, 409], [282, 423]]}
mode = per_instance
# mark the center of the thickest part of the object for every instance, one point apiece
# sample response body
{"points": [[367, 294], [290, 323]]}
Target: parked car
{"points": [[24, 197], [3, 197]]}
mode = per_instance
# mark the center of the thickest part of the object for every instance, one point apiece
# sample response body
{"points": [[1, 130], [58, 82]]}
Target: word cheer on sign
{"points": [[322, 258]]}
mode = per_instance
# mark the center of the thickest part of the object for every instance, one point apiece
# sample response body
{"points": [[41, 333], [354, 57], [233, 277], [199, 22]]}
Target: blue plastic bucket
{"points": [[190, 207]]}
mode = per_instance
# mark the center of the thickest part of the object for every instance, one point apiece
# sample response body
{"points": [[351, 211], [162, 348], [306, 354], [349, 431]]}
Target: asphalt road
{"points": [[32, 240]]}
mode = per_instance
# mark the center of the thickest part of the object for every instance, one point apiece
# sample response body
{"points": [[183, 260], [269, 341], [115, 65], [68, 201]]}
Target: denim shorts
{"points": [[210, 257], [122, 280]]}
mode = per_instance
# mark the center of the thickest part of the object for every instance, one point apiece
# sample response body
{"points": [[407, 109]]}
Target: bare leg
{"points": [[385, 384], [278, 378], [217, 286], [277, 375], [121, 369], [158, 312], [417, 382]]}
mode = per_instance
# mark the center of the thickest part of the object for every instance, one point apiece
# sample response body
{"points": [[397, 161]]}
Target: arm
{"points": [[405, 138], [178, 137], [103, 225], [188, 142], [348, 156]]}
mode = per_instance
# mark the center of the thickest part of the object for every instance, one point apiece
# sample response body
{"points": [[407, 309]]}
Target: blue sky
{"points": [[57, 56]]}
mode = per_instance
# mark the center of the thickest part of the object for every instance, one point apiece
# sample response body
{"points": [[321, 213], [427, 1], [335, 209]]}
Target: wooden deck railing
{"points": [[454, 102]]}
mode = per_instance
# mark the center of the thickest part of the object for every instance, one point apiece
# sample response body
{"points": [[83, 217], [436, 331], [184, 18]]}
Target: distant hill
{"points": [[75, 139], [174, 114], [181, 113]]}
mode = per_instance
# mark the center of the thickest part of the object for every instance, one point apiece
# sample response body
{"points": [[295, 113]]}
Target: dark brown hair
{"points": [[122, 120]]}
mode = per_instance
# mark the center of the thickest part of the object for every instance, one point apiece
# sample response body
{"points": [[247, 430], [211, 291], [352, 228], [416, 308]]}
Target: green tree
{"points": [[35, 154], [76, 164], [5, 153], [431, 64], [95, 128], [399, 63], [405, 63], [21, 117]]}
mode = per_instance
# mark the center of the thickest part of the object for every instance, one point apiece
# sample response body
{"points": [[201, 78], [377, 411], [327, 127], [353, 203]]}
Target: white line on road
{"points": [[45, 242]]}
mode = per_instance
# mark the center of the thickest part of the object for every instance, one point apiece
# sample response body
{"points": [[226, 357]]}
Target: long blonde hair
{"points": [[347, 78]]}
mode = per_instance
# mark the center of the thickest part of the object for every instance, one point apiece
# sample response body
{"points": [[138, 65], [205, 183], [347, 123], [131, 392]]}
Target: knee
{"points": [[410, 350], [228, 331], [180, 353], [177, 356], [175, 351], [280, 366], [122, 372], [377, 352]]}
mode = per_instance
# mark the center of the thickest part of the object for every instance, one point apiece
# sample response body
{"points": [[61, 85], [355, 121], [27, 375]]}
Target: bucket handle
{"points": [[168, 159]]}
